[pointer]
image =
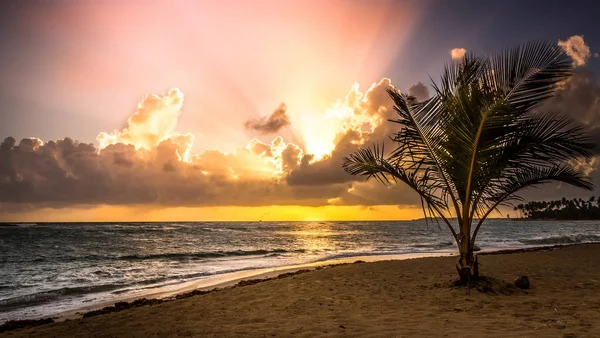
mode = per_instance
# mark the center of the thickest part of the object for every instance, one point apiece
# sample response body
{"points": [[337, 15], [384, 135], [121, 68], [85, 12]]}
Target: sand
{"points": [[408, 298]]}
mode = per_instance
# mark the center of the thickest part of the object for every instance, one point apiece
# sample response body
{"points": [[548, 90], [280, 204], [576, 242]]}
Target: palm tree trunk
{"points": [[467, 265]]}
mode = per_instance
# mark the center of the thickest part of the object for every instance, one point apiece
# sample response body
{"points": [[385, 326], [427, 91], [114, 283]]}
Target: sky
{"points": [[241, 110]]}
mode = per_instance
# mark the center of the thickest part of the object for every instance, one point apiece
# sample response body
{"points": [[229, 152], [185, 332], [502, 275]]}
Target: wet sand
{"points": [[406, 298]]}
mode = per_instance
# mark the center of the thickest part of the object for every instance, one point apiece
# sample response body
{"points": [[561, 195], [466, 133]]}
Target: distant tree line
{"points": [[572, 209]]}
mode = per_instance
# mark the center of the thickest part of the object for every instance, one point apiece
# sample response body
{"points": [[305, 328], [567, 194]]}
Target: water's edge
{"points": [[233, 278], [56, 268]]}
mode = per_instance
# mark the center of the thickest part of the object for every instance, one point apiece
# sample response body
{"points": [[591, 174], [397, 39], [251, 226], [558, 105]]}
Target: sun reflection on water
{"points": [[315, 236]]}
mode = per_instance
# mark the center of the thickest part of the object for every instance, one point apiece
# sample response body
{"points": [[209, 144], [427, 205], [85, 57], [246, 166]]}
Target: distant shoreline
{"points": [[33, 224]]}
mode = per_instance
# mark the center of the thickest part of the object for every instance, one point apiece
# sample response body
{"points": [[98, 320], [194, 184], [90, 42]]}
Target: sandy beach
{"points": [[406, 298]]}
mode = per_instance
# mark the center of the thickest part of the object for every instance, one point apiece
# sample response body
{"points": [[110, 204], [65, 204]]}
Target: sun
{"points": [[319, 132]]}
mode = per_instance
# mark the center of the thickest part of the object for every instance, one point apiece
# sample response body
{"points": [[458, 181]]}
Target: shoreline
{"points": [[249, 277], [231, 279], [410, 297]]}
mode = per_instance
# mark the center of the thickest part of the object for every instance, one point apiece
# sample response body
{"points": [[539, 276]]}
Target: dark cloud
{"points": [[270, 124], [579, 98], [67, 173], [419, 91]]}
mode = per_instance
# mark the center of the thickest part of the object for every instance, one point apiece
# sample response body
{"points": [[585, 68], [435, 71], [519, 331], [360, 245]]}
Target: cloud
{"points": [[285, 156], [364, 123], [586, 166], [270, 124], [150, 164], [579, 98], [577, 49], [374, 193], [419, 91], [457, 53], [66, 173], [153, 122]]}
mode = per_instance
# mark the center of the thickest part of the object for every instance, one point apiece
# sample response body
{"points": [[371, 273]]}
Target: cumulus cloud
{"points": [[577, 49], [153, 122], [579, 98], [147, 163], [272, 123], [419, 91], [285, 156], [372, 192], [365, 122], [65, 172], [457, 53], [586, 166]]}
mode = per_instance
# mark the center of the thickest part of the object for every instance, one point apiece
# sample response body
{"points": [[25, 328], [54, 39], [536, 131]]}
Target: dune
{"points": [[396, 298]]}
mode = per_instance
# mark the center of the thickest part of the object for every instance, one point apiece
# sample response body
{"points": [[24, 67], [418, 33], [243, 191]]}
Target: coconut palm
{"points": [[480, 140]]}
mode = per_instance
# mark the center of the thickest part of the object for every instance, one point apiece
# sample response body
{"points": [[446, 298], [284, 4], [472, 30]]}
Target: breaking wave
{"points": [[569, 239]]}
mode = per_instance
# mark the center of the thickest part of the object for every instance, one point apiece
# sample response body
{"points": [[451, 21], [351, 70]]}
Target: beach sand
{"points": [[407, 298]]}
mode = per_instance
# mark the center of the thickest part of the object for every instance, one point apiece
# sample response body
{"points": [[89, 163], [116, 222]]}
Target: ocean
{"points": [[49, 268]]}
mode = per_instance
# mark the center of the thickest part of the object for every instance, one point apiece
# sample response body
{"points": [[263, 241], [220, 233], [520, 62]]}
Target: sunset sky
{"points": [[241, 110]]}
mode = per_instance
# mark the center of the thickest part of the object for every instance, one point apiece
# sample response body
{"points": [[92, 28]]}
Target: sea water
{"points": [[46, 268]]}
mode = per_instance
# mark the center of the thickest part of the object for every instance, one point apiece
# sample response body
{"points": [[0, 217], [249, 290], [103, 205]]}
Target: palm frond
{"points": [[479, 140]]}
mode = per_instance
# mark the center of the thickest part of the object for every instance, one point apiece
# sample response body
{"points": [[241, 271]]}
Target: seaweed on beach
{"points": [[194, 293], [120, 306], [21, 324], [283, 275]]}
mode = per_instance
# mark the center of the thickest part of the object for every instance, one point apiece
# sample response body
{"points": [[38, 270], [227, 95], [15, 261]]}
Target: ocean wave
{"points": [[567, 239], [210, 254], [51, 295], [178, 256], [224, 229], [437, 245]]}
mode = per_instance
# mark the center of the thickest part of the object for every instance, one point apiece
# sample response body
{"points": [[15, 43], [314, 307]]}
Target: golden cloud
{"points": [[457, 53], [577, 49], [147, 162]]}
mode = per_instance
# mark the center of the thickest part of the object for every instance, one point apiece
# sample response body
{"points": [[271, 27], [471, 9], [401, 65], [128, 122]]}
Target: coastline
{"points": [[231, 279], [411, 297], [44, 280], [250, 277]]}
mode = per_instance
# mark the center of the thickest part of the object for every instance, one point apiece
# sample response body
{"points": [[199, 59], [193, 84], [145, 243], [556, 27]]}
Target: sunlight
{"points": [[314, 236], [319, 131], [318, 134]]}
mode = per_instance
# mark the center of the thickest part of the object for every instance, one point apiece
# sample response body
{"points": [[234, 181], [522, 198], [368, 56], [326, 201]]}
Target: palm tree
{"points": [[480, 140]]}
